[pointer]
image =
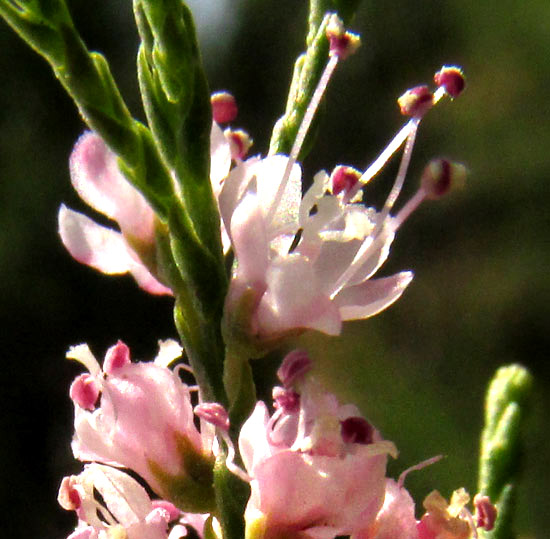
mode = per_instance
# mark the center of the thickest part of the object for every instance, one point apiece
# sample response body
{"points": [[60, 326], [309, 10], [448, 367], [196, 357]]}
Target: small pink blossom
{"points": [[307, 478], [144, 421], [124, 509]]}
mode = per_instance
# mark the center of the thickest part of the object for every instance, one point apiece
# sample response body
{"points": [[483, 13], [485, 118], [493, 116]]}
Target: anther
{"points": [[286, 400], [356, 430], [224, 107], [239, 142], [344, 179], [452, 79], [486, 512], [342, 43], [441, 176], [416, 101], [213, 413]]}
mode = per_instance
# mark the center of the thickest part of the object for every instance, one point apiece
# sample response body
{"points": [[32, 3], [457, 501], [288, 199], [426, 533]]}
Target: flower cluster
{"points": [[316, 468], [302, 259]]}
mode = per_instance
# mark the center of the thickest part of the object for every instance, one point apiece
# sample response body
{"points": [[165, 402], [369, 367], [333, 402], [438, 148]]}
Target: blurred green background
{"points": [[481, 296]]}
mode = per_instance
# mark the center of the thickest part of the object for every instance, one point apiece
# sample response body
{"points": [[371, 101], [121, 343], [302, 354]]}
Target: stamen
{"points": [[334, 57], [371, 240], [216, 415], [416, 467]]}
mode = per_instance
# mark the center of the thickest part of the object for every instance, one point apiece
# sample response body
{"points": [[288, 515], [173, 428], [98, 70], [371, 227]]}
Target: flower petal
{"points": [[96, 177], [294, 299], [220, 158], [371, 297], [103, 249], [92, 244]]}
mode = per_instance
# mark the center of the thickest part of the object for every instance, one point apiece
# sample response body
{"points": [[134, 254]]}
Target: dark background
{"points": [[481, 296]]}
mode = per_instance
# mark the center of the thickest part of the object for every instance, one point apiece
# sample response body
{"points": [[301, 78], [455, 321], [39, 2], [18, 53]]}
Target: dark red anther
{"points": [[416, 101], [344, 179], [357, 430], [486, 512], [452, 79], [224, 107]]}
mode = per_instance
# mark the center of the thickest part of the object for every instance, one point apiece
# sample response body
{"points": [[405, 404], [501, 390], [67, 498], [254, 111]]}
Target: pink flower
{"points": [[323, 239], [144, 421], [124, 509], [317, 468], [309, 262]]}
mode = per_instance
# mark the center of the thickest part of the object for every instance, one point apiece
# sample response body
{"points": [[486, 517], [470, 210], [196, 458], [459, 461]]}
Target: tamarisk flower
{"points": [[316, 467], [308, 262], [442, 520], [139, 416], [124, 509]]}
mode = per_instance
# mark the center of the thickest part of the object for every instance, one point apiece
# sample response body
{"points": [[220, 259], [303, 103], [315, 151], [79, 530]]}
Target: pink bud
{"points": [[486, 512], [357, 430], [441, 176], [294, 366], [452, 79], [344, 179], [213, 413], [84, 391], [224, 107], [116, 357], [342, 43], [416, 101]]}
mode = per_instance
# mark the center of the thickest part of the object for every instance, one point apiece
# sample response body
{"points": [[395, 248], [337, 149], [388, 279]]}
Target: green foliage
{"points": [[501, 447]]}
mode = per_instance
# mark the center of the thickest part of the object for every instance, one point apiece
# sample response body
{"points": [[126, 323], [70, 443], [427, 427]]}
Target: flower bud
{"points": [[441, 176], [342, 43], [416, 101], [224, 107], [452, 79]]}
